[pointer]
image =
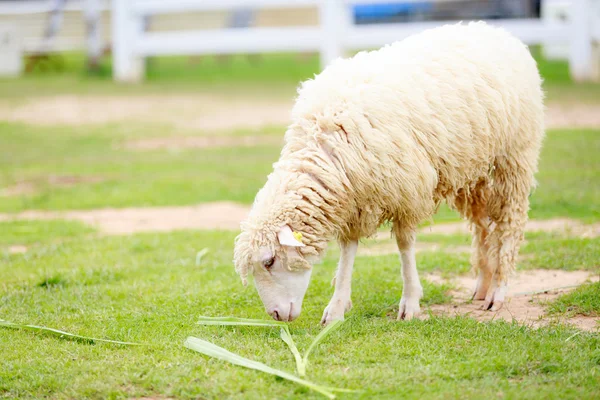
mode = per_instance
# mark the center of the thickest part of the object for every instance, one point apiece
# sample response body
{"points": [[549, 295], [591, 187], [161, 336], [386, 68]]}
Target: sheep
{"points": [[454, 113]]}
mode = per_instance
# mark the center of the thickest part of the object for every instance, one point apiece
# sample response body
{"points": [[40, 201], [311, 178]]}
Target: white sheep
{"points": [[453, 113]]}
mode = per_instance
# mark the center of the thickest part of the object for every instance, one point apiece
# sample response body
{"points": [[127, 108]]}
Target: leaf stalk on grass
{"points": [[63, 334], [285, 333], [301, 362], [212, 350], [233, 321], [200, 256], [287, 338]]}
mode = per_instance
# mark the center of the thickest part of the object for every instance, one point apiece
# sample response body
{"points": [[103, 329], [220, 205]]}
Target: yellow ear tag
{"points": [[298, 236]]}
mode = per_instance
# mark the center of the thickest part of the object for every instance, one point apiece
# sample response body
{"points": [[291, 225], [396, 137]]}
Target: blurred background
{"points": [[187, 100], [129, 39]]}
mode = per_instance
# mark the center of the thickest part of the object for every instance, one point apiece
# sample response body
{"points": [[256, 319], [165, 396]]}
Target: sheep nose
{"points": [[275, 314]]}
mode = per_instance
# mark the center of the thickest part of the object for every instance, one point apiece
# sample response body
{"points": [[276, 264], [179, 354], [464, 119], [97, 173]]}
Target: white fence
{"points": [[77, 27], [335, 34]]}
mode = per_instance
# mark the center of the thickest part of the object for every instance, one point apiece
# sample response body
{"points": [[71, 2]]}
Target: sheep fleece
{"points": [[454, 113]]}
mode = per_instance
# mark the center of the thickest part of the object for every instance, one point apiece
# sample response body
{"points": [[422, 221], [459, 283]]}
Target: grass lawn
{"points": [[128, 178], [585, 300], [148, 288]]}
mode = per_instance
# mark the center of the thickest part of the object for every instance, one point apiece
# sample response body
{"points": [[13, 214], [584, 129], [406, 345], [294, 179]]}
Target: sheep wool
{"points": [[454, 113]]}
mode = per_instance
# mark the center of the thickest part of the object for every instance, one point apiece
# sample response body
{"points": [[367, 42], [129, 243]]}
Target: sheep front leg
{"points": [[412, 290], [340, 302]]}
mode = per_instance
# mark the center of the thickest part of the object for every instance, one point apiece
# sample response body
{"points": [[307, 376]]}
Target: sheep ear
{"points": [[286, 237]]}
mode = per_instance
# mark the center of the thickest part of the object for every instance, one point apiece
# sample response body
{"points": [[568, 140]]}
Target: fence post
{"points": [[128, 66], [11, 50], [93, 33], [595, 38], [334, 18], [555, 13], [583, 54]]}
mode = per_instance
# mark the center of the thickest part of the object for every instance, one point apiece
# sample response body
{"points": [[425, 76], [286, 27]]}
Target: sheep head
{"points": [[281, 271]]}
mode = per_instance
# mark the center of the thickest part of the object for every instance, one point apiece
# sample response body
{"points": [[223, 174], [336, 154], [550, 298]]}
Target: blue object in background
{"points": [[386, 11]]}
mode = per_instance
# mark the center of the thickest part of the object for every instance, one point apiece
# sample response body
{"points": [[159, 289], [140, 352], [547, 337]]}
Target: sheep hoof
{"points": [[480, 292], [409, 309], [495, 297], [497, 305], [335, 311], [484, 281]]}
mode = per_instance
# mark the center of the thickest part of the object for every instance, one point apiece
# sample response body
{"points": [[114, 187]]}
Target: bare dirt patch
{"points": [[18, 189], [17, 249], [562, 225], [221, 215], [179, 143], [210, 112], [228, 215], [529, 291], [72, 180], [572, 115], [201, 111], [151, 398]]}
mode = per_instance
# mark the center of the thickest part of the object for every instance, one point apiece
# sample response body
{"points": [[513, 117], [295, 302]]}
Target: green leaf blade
{"points": [[233, 321], [63, 334], [326, 331], [200, 256], [287, 338], [212, 350]]}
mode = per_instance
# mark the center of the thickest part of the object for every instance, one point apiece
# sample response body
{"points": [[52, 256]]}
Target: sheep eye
{"points": [[269, 263]]}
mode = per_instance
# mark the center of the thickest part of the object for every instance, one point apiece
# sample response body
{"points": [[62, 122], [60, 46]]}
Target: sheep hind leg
{"points": [[473, 208], [508, 206], [479, 254]]}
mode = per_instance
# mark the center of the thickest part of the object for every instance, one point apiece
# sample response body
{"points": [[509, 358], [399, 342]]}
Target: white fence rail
{"points": [[335, 34], [76, 25]]}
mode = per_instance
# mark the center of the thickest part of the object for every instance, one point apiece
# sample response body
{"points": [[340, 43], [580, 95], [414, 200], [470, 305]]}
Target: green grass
{"points": [[147, 288], [127, 178], [558, 252], [32, 232], [569, 175], [275, 74], [585, 300]]}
